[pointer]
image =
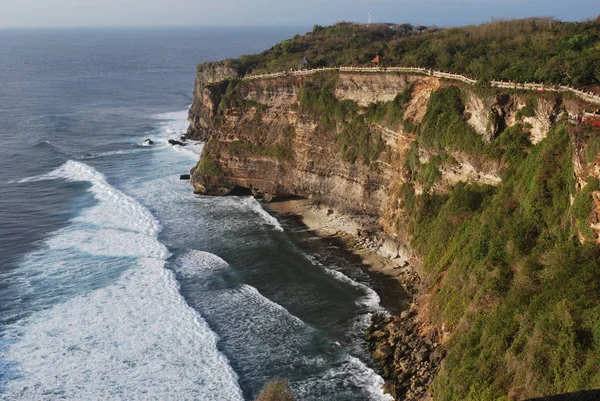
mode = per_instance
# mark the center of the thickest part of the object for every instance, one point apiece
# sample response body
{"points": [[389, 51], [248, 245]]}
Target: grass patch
{"points": [[358, 142], [517, 279], [357, 139], [444, 126], [242, 148], [208, 167], [592, 148]]}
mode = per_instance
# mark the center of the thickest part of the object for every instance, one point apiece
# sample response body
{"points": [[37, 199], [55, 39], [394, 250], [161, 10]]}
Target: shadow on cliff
{"points": [[588, 395]]}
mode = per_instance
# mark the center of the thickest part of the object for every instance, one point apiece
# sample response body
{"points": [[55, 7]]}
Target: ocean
{"points": [[116, 281]]}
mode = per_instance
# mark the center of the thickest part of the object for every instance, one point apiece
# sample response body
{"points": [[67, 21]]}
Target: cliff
{"points": [[476, 186], [259, 139]]}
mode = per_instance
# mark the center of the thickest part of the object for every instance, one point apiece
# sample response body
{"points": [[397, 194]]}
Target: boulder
{"points": [[382, 352], [148, 142], [379, 335], [174, 142], [184, 176]]}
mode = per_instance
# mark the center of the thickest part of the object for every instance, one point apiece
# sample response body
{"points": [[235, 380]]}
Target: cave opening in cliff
{"points": [[240, 191]]}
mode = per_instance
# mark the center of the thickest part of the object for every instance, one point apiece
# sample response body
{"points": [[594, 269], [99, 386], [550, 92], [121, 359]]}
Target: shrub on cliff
{"points": [[357, 140], [519, 292], [208, 167], [582, 207], [276, 390], [444, 126], [279, 151]]}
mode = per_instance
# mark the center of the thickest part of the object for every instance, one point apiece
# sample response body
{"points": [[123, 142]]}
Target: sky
{"points": [[83, 13]]}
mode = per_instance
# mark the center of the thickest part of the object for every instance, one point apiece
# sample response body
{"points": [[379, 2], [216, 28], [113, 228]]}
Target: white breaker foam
{"points": [[173, 126], [255, 313], [370, 300], [255, 206], [135, 339]]}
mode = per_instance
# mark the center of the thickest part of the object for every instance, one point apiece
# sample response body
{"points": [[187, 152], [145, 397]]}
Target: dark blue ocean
{"points": [[116, 281]]}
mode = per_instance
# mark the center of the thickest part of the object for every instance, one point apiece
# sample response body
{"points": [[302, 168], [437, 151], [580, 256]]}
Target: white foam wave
{"points": [[111, 153], [180, 115], [173, 126], [24, 180], [352, 372], [255, 206], [133, 339], [370, 300], [115, 209], [136, 339], [109, 242], [194, 262]]}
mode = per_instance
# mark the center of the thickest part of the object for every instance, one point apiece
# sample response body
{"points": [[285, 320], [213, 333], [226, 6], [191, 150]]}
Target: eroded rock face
{"points": [[477, 112], [315, 169], [541, 122], [211, 83], [417, 107], [242, 140], [583, 170], [263, 144], [367, 89]]}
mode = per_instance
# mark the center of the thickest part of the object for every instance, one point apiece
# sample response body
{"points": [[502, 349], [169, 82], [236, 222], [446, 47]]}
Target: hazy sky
{"points": [[280, 12]]}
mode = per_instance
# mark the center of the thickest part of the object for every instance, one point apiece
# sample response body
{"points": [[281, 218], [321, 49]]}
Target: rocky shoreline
{"points": [[407, 353], [408, 358]]}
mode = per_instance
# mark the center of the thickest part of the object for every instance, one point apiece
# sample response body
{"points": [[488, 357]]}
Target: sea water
{"points": [[116, 281]]}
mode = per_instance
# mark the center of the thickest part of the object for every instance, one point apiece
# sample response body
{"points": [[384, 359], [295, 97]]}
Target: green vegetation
{"points": [[276, 390], [429, 173], [582, 207], [390, 113], [208, 167], [593, 147], [444, 126], [412, 162], [234, 97], [510, 147], [519, 291], [280, 151], [318, 102], [530, 106], [357, 140], [526, 50]]}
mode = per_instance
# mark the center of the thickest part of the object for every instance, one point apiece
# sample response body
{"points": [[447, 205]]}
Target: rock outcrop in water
{"points": [[375, 145]]}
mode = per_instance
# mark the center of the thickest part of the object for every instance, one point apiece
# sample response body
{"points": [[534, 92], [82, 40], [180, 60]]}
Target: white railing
{"points": [[587, 96]]}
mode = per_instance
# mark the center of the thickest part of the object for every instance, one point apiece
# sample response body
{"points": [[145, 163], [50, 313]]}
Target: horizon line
{"points": [[267, 25]]}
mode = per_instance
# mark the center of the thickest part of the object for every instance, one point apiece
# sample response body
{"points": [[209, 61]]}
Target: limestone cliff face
{"points": [[315, 168], [262, 142], [206, 94]]}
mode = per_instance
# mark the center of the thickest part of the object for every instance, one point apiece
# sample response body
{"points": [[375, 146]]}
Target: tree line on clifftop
{"points": [[525, 50]]}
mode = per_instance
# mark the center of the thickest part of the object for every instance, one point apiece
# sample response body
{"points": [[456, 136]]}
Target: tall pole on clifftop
{"points": [[370, 18]]}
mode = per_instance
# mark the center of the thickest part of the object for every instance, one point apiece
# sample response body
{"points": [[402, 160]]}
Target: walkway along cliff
{"points": [[475, 186]]}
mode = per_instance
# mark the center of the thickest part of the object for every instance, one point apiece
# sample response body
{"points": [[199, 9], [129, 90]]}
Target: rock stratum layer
{"points": [[248, 141], [366, 145]]}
